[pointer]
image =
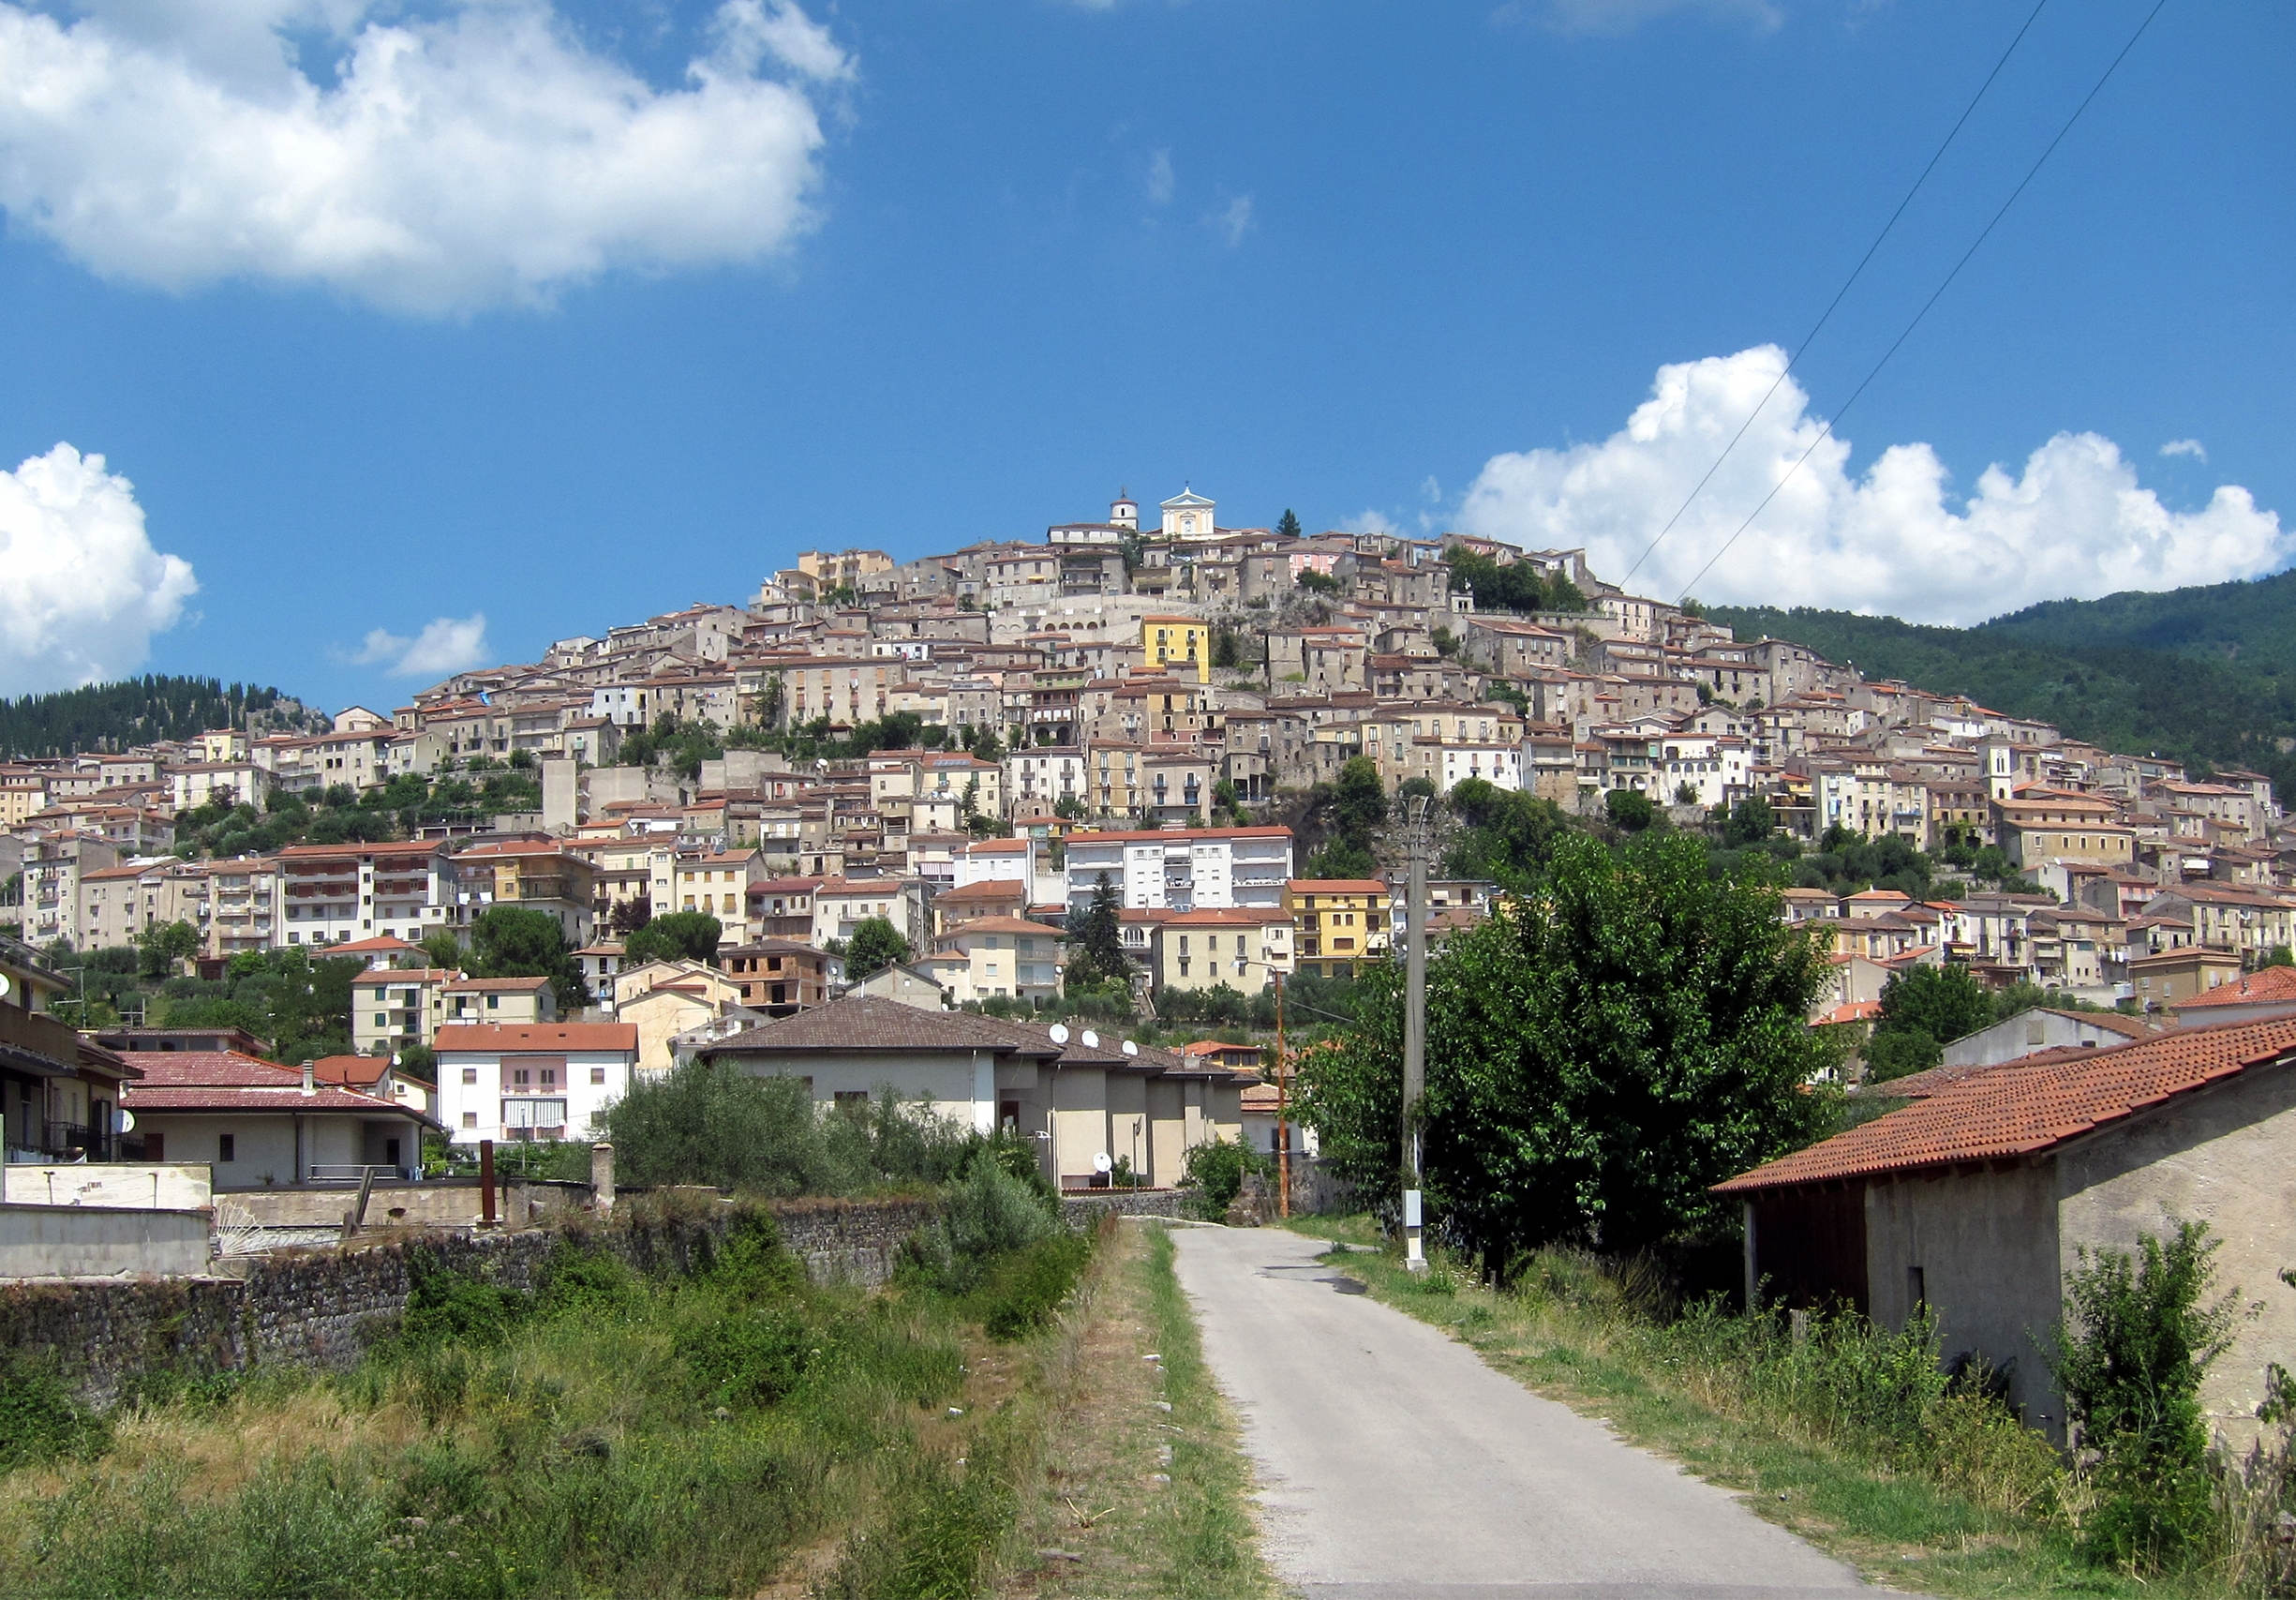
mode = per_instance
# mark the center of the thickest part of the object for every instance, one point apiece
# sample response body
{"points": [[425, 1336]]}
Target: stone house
{"points": [[1078, 1095], [1978, 1199]]}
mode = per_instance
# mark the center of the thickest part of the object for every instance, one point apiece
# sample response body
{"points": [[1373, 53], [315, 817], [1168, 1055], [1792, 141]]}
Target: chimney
{"points": [[310, 1079]]}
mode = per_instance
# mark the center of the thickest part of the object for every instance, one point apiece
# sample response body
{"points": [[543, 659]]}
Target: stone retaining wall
{"points": [[1083, 1210], [319, 1307]]}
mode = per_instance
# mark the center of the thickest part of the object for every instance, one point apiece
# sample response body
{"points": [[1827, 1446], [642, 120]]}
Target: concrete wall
{"points": [[97, 1241], [163, 1187], [2226, 1157], [2025, 1033], [1986, 1246]]}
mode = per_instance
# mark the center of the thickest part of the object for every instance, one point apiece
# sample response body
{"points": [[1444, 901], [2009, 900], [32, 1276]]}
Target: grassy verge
{"points": [[1971, 1535], [1141, 1490], [735, 1432]]}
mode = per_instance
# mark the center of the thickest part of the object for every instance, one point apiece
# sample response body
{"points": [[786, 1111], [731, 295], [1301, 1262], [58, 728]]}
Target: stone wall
{"points": [[1083, 1210], [319, 1307]]}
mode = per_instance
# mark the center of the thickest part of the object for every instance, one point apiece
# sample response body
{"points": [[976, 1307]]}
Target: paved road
{"points": [[1395, 1464]]}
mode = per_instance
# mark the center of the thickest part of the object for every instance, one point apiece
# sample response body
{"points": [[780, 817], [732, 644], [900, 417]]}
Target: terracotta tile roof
{"points": [[143, 1102], [866, 1022], [2273, 983], [497, 985], [547, 1036], [1336, 886], [208, 1069], [1854, 1011], [2027, 1106]]}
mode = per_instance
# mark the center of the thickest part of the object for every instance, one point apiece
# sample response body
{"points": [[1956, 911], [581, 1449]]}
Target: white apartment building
{"points": [[1718, 768], [546, 1080], [1183, 869], [331, 893], [51, 872], [1047, 773]]}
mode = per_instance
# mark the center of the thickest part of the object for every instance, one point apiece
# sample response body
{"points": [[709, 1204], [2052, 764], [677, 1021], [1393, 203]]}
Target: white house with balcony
{"points": [[1183, 869], [546, 1081]]}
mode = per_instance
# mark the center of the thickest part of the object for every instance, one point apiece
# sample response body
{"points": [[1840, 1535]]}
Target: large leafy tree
{"points": [[876, 945], [1922, 1011], [1095, 949], [517, 941], [1598, 1054], [680, 936]]}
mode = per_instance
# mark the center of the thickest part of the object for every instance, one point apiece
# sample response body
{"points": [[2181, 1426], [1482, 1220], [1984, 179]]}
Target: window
{"points": [[494, 1002], [598, 1074], [521, 1078], [227, 1147], [470, 1074], [469, 1119]]}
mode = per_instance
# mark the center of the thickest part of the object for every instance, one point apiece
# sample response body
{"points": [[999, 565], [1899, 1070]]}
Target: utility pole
{"points": [[1414, 1028], [1283, 1110]]}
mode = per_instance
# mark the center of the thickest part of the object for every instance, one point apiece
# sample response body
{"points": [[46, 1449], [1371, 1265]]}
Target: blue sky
{"points": [[909, 276]]}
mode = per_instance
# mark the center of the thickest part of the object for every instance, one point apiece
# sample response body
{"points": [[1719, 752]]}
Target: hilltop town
{"points": [[962, 744]]}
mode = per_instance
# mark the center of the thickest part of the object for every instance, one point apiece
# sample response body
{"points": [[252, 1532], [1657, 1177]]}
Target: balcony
{"points": [[26, 1033]]}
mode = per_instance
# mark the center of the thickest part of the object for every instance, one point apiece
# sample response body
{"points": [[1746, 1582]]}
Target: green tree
{"points": [[1288, 526], [443, 950], [1751, 822], [1353, 806], [876, 945], [680, 936], [1941, 1003], [1596, 1059], [1630, 808], [1507, 835], [1096, 947], [164, 944], [516, 941]]}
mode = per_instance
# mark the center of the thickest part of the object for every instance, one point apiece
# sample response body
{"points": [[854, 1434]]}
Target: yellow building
{"points": [[719, 884], [1241, 947], [1341, 923], [1178, 645]]}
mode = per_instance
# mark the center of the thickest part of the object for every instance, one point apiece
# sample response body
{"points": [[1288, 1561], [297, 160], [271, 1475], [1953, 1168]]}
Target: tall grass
{"points": [[608, 1435]]}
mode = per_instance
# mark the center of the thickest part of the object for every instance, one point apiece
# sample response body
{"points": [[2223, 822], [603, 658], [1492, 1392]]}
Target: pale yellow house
{"points": [[718, 884], [1341, 922], [1243, 947], [1004, 956]]}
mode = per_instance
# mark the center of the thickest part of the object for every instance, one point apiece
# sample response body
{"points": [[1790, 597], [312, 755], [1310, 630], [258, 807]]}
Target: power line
{"points": [[1849, 283], [1827, 432]]}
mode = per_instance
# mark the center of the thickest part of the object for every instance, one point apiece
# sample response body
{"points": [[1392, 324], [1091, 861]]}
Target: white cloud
{"points": [[82, 590], [2074, 523], [1624, 16], [1161, 179], [2191, 447], [475, 157], [1370, 521], [444, 647], [1234, 219]]}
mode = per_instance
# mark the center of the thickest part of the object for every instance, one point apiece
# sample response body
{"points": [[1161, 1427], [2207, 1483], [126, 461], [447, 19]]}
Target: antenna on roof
{"points": [[1131, 1049], [1060, 1033], [1092, 1040]]}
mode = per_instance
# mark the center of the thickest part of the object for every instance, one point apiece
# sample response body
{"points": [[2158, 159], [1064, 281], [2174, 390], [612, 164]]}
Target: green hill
{"points": [[2198, 699], [2251, 624], [115, 716]]}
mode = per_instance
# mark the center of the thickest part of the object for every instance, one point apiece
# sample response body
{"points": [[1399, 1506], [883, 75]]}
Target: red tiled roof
{"points": [[550, 1036], [143, 1101], [497, 985], [208, 1069], [1336, 886], [2271, 984], [2028, 1106]]}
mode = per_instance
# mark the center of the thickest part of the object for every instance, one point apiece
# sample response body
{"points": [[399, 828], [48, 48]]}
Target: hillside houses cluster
{"points": [[1126, 697]]}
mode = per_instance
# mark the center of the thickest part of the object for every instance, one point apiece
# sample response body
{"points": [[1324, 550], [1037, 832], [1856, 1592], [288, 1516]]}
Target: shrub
{"points": [[40, 1419], [988, 1212], [1214, 1169], [2130, 1361], [1023, 1288], [444, 1306], [743, 1355]]}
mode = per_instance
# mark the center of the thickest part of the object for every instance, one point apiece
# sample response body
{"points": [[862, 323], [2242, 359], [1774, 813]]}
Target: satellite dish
{"points": [[128, 1120], [1100, 1163], [1060, 1033], [4, 983], [1092, 1040], [1131, 1049]]}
